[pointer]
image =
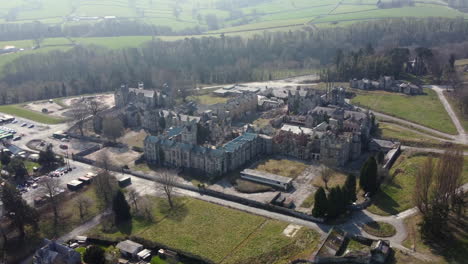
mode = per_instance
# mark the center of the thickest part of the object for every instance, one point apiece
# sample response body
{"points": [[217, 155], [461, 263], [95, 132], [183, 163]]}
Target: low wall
{"points": [[88, 151]]}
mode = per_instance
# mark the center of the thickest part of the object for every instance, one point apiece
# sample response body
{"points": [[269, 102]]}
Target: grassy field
{"points": [[69, 216], [337, 178], [425, 109], [283, 167], [463, 118], [19, 111], [220, 234], [208, 99], [396, 195], [406, 136], [379, 229], [192, 13]]}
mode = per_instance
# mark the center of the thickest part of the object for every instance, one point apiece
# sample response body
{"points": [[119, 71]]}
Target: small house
{"points": [[129, 249]]}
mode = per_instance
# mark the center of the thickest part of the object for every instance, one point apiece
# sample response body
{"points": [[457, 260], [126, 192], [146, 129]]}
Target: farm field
{"points": [[426, 110], [396, 196], [192, 13], [230, 236]]}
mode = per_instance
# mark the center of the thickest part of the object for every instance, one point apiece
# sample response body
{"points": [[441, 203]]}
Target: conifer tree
{"points": [[320, 203], [350, 188], [368, 177]]}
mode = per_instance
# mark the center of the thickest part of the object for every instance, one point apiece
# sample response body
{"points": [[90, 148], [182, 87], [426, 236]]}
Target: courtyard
{"points": [[117, 156]]}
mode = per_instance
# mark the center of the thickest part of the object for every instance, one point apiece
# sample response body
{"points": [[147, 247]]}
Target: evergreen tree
{"points": [[17, 210], [121, 208], [94, 255], [350, 188], [368, 177], [4, 158], [16, 166], [333, 203], [320, 203], [47, 157]]}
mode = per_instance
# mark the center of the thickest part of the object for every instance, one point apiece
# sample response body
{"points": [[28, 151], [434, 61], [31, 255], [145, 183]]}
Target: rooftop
{"points": [[266, 175], [129, 246], [297, 129], [236, 143]]}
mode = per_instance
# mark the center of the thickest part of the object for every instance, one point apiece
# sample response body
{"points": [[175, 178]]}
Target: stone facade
{"points": [[237, 107], [386, 83]]}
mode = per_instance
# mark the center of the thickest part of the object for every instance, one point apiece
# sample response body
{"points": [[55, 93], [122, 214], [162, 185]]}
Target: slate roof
{"points": [[236, 143], [129, 246]]}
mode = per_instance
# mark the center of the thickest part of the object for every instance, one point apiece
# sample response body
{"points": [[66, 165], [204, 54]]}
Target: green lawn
{"points": [[425, 109], [396, 196], [208, 99], [218, 233], [379, 229], [406, 136], [283, 167], [19, 111]]}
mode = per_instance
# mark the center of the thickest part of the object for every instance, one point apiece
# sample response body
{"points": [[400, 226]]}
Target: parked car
{"points": [[17, 138], [24, 124], [63, 146], [31, 126]]}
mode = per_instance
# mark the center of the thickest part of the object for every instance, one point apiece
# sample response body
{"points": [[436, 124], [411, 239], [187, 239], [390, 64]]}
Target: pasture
{"points": [[217, 233]]}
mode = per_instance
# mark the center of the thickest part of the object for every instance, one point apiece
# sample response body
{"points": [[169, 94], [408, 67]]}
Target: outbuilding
{"points": [[261, 177], [74, 185], [129, 249]]}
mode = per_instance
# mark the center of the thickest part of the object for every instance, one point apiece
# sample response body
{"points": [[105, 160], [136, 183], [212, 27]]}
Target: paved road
{"points": [[417, 132], [463, 136], [82, 229], [429, 150]]}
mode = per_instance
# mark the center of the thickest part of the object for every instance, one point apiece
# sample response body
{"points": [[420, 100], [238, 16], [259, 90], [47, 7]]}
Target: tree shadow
{"points": [[177, 213], [386, 203], [126, 227]]}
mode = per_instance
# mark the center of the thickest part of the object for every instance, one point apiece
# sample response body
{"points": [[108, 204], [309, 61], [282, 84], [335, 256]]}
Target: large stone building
{"points": [[178, 148], [237, 107]]}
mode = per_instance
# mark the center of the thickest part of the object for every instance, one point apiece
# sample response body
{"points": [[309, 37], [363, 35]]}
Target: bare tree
{"points": [[83, 203], [105, 186], [133, 196], [326, 173], [103, 161], [145, 209], [423, 185], [95, 107], [79, 113], [51, 188], [166, 183]]}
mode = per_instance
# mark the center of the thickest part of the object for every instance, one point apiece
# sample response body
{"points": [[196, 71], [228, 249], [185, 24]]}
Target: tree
{"points": [[105, 187], [79, 112], [121, 208], [436, 192], [94, 255], [47, 157], [368, 176], [17, 210], [333, 202], [51, 188], [17, 167], [4, 158], [326, 173], [83, 203], [113, 128], [166, 181], [104, 161], [133, 196], [320, 203], [350, 188]]}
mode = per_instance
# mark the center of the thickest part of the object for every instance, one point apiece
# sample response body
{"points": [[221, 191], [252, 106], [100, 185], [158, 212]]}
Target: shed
{"points": [[85, 180], [125, 181], [267, 178], [144, 254], [129, 249], [74, 185]]}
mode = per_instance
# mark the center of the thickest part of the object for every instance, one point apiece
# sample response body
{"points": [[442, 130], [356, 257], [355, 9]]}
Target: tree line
{"points": [[220, 60]]}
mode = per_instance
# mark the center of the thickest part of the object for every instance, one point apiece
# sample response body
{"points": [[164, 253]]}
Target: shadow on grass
{"points": [[126, 228], [177, 213], [386, 203]]}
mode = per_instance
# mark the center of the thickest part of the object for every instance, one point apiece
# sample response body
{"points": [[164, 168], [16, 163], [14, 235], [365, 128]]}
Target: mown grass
{"points": [[19, 111], [218, 233], [406, 136], [426, 110], [379, 229], [395, 196], [309, 201], [208, 99], [283, 167]]}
